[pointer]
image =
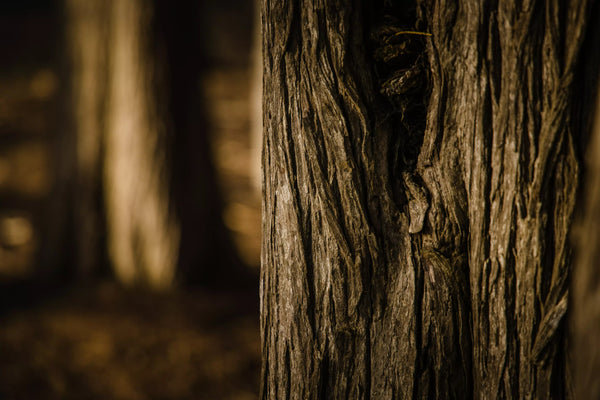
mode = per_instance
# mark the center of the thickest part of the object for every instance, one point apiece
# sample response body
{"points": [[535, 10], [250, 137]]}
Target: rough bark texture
{"points": [[444, 276], [516, 153]]}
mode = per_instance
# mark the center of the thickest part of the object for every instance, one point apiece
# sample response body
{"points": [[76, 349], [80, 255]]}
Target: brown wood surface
{"points": [[446, 277]]}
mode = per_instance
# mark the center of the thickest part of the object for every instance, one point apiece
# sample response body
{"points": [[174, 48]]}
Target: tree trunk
{"points": [[143, 231], [585, 294], [144, 181], [420, 170], [74, 227]]}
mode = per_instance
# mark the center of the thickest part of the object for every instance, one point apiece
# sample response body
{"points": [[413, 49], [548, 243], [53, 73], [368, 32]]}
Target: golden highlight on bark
{"points": [[444, 275]]}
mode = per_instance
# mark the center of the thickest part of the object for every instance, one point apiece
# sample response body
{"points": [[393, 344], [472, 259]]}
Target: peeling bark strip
{"points": [[444, 278], [501, 152]]}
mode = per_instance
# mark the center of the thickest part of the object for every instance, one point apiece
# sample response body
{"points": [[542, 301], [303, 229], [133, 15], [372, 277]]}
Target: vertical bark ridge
{"points": [[510, 144], [444, 280], [331, 218]]}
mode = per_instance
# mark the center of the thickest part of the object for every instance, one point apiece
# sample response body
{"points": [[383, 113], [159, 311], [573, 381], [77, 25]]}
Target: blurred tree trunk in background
{"points": [[206, 252], [585, 293], [140, 169], [419, 193], [87, 34], [74, 227], [143, 229]]}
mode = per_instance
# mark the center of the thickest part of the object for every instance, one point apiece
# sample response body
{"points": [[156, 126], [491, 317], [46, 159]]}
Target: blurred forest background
{"points": [[129, 208]]}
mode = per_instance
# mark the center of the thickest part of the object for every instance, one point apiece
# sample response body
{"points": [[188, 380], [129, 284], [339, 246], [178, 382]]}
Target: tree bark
{"points": [[409, 254]]}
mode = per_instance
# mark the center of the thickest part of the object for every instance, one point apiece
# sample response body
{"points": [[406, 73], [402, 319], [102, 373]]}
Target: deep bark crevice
{"points": [[435, 244]]}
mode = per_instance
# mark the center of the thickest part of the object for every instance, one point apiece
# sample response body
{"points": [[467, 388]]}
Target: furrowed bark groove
{"points": [[505, 147], [408, 258], [341, 277]]}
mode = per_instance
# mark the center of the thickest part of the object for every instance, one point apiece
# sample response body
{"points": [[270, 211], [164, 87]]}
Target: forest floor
{"points": [[104, 342]]}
